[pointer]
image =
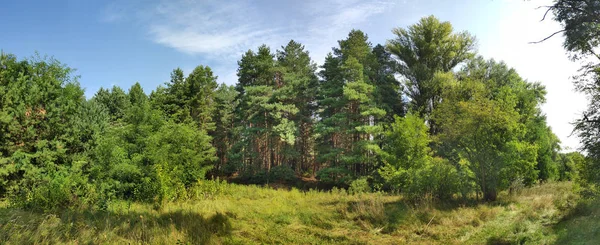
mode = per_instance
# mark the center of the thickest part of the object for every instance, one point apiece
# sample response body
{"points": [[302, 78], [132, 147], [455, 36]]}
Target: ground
{"points": [[234, 214]]}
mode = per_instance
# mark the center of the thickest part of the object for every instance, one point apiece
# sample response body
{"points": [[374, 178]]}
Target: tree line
{"points": [[423, 115]]}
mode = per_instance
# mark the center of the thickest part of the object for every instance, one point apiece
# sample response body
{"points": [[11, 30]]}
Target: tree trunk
{"points": [[490, 194]]}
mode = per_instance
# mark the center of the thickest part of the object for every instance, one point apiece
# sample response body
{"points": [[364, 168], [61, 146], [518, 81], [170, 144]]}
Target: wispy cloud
{"points": [[207, 27], [221, 29], [341, 15], [193, 41], [331, 21]]}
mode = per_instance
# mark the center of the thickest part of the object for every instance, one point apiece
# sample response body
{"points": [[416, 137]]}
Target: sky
{"points": [[123, 42]]}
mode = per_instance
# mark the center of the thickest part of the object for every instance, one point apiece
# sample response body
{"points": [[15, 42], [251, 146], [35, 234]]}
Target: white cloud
{"points": [[207, 27], [330, 21], [222, 30], [193, 41]]}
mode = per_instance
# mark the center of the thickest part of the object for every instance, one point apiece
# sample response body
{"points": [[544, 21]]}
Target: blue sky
{"points": [[123, 42]]}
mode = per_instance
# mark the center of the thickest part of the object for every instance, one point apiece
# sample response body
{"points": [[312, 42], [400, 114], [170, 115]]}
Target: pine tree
{"points": [[224, 135], [350, 116], [299, 89], [388, 90], [423, 49], [199, 92]]}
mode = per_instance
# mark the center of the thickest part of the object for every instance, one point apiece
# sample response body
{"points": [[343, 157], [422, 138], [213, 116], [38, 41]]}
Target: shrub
{"points": [[63, 188], [253, 175], [282, 173], [444, 180], [208, 189], [360, 185], [335, 176]]}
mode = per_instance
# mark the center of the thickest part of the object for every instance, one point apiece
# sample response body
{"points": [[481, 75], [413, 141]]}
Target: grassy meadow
{"points": [[237, 214]]}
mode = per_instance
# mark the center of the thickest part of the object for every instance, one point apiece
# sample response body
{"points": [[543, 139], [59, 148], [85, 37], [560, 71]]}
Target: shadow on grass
{"points": [[581, 225], [386, 216], [23, 227]]}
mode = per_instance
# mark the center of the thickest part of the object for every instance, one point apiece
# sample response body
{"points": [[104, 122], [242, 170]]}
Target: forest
{"points": [[421, 122]]}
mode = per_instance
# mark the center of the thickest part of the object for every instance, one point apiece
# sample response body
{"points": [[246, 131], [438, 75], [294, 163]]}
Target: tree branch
{"points": [[547, 10], [548, 37]]}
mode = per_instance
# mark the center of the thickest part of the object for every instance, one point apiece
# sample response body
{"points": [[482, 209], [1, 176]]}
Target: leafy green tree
{"points": [[485, 130], [189, 99], [181, 155], [362, 113], [406, 147], [497, 77], [579, 20], [115, 101], [548, 146], [569, 164], [136, 95], [121, 155], [408, 162], [423, 49], [40, 105], [171, 99]]}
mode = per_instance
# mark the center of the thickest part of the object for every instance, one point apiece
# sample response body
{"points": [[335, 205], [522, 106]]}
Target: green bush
{"points": [[208, 189], [360, 185], [336, 176], [444, 179], [63, 188], [282, 173], [253, 175]]}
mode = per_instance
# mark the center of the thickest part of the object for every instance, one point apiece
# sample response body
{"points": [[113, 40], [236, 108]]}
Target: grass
{"points": [[581, 225], [545, 214]]}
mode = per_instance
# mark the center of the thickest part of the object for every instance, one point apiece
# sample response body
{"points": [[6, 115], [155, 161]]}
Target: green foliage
{"points": [[336, 176], [209, 189], [478, 129], [224, 135], [282, 173], [254, 175], [351, 125], [182, 148], [408, 163], [425, 48], [406, 148], [484, 126], [360, 185], [189, 99], [570, 164], [115, 101]]}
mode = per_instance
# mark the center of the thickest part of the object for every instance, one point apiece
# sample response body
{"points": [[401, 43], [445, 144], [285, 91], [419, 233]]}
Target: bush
{"points": [[253, 175], [438, 179], [444, 180], [208, 189], [63, 188], [282, 173], [335, 176], [360, 185]]}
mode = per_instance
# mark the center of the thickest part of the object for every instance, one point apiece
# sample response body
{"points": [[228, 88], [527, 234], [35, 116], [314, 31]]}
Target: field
{"points": [[237, 214]]}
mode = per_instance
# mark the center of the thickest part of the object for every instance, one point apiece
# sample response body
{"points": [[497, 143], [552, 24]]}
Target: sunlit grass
{"points": [[256, 215]]}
